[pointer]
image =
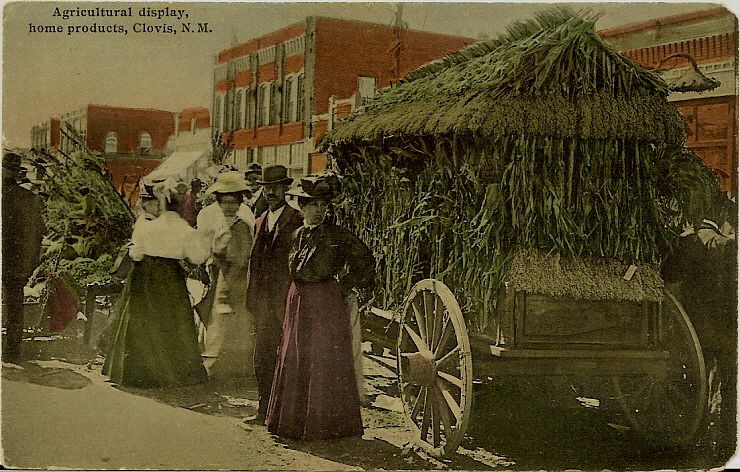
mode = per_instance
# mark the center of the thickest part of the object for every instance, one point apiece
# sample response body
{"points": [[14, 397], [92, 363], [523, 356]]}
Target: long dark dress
{"points": [[155, 342], [314, 390]]}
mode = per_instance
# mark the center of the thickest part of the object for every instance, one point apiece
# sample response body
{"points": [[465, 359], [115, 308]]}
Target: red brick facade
{"points": [[128, 124], [126, 173], [325, 57], [275, 134], [201, 115], [346, 50], [271, 39]]}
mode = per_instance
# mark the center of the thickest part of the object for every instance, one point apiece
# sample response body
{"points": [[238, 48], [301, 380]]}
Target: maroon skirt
{"points": [[314, 391]]}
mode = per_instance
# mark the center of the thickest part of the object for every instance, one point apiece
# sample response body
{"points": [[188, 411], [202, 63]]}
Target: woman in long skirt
{"points": [[314, 393], [155, 342]]}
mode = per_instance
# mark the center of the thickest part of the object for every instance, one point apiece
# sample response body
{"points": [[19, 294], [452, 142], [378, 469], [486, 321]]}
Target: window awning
{"points": [[177, 165]]}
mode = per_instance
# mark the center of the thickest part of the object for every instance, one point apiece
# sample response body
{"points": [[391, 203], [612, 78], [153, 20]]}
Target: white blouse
{"points": [[171, 237]]}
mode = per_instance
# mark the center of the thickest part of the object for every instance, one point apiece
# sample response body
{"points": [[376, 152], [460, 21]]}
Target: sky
{"points": [[47, 74]]}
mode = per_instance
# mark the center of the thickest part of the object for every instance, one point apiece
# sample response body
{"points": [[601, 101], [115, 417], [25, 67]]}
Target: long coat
{"points": [[23, 229], [267, 291]]}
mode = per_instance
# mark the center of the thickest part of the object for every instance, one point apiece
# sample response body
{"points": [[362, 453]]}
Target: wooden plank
{"points": [[603, 322], [577, 354], [385, 314], [655, 368]]}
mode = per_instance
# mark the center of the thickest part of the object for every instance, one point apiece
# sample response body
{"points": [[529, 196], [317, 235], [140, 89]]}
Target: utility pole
{"points": [[399, 28]]}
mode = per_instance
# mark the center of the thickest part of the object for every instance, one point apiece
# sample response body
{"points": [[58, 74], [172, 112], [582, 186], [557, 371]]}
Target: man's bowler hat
{"points": [[276, 174]]}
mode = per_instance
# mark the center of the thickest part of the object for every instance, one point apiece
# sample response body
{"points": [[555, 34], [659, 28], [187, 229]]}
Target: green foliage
{"points": [[87, 222], [458, 210]]}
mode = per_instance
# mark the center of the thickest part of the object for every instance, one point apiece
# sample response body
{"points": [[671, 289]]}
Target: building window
{"points": [[217, 115], [145, 142], [300, 92], [239, 110], [274, 103], [288, 101], [264, 105], [111, 143], [365, 88], [249, 109], [228, 111]]}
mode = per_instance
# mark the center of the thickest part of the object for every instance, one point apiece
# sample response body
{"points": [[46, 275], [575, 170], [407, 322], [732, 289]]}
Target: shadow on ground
{"points": [[47, 376], [538, 430]]}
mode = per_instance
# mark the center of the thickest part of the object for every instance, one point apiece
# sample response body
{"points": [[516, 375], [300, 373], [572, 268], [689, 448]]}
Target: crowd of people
{"points": [[280, 290]]}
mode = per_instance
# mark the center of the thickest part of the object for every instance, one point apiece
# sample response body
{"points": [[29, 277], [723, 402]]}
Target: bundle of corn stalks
{"points": [[87, 221], [545, 138]]}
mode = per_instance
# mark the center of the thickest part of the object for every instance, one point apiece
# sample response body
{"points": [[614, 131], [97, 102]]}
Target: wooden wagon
{"points": [[642, 343], [474, 168]]}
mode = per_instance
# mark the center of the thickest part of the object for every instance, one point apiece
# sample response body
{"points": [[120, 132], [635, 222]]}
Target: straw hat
{"points": [[228, 182]]}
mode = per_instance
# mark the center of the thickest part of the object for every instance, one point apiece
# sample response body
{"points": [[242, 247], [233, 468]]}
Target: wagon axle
{"points": [[421, 367]]}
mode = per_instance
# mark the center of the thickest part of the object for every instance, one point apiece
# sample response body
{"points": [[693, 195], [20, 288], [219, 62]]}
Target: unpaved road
{"points": [[59, 411]]}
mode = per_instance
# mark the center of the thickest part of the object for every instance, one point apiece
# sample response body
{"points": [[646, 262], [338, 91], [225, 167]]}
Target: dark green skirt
{"points": [[155, 343]]}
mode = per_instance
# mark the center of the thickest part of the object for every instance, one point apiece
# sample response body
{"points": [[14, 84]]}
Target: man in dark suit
{"points": [[22, 231], [269, 278], [256, 201]]}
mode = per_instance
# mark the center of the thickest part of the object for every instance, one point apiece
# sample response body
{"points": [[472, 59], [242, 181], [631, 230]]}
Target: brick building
{"points": [[710, 37], [275, 96], [133, 140]]}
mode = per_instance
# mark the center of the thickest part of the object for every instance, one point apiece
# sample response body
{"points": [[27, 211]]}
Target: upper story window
{"points": [[288, 101], [274, 103], [264, 105], [366, 87], [239, 109], [228, 124], [249, 108], [217, 114], [111, 143], [145, 142], [300, 92]]}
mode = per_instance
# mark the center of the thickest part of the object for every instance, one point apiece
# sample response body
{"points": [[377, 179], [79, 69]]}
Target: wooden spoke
{"points": [[444, 414], [415, 338], [429, 298], [420, 322], [451, 403], [452, 379], [435, 417], [438, 323], [426, 418], [446, 333], [418, 403], [448, 356]]}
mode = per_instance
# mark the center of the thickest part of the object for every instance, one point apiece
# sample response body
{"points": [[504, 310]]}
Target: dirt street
{"points": [[59, 411]]}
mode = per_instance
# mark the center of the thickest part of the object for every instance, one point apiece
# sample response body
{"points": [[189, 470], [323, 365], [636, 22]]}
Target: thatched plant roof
{"points": [[551, 76], [584, 278]]}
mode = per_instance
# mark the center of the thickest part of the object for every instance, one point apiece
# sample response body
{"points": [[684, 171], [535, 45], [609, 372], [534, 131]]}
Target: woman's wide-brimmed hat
{"points": [[276, 174], [325, 185], [229, 182]]}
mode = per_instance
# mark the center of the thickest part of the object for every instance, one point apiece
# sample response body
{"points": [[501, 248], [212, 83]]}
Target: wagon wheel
{"points": [[435, 371], [672, 406]]}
